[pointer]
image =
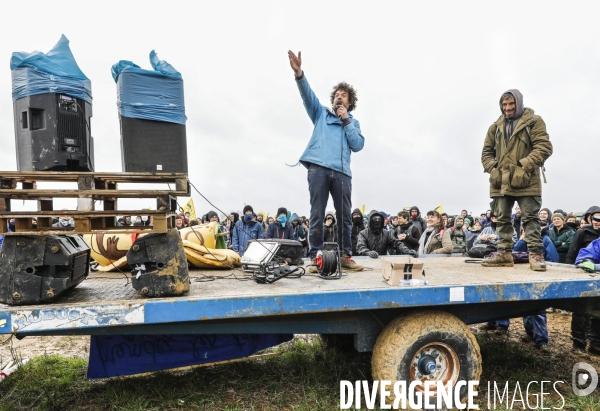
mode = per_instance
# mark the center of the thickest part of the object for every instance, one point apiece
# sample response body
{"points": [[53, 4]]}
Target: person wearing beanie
{"points": [[336, 135], [515, 149], [561, 235], [246, 229], [281, 227]]}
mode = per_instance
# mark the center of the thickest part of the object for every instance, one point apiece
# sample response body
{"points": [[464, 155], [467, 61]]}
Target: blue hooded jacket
{"points": [[243, 233], [591, 252], [331, 141]]}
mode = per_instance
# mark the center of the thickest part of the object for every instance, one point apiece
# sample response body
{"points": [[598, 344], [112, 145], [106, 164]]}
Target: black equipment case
{"points": [[288, 249], [37, 269]]}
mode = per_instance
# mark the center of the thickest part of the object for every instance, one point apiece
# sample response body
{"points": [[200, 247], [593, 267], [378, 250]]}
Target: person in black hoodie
{"points": [[357, 226], [418, 221], [375, 240], [407, 232], [329, 228], [584, 327]]}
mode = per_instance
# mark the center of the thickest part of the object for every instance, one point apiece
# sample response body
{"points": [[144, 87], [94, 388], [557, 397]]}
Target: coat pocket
{"points": [[519, 178], [496, 179]]}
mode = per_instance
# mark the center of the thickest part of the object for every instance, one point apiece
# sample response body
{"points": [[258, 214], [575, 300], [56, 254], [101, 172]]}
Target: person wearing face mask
{"points": [[357, 226], [417, 220], [246, 229], [376, 240], [571, 221], [64, 221], [280, 228], [330, 228], [516, 147]]}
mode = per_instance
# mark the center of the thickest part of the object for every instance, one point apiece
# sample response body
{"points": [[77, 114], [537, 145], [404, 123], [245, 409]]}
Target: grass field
{"points": [[305, 376]]}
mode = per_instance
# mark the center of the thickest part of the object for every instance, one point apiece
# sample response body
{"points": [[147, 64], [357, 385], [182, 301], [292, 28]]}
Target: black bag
{"points": [[481, 250]]}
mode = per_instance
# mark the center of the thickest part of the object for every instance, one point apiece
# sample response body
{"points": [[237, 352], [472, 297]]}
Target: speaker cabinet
{"points": [[38, 269], [53, 133], [153, 146]]}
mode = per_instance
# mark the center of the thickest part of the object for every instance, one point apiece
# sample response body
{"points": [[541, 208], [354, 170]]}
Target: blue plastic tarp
{"points": [[117, 355], [155, 94], [52, 72]]}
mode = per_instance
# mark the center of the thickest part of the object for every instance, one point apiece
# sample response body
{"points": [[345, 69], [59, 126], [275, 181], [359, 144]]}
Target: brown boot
{"points": [[349, 264], [536, 262], [499, 259]]}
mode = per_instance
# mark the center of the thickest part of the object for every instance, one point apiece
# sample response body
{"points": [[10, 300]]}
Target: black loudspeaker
{"points": [[37, 269], [153, 146], [53, 132], [159, 264]]}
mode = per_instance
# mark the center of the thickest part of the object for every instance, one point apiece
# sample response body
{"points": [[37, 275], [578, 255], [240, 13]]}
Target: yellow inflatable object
{"points": [[201, 234], [199, 241], [110, 250], [201, 257]]}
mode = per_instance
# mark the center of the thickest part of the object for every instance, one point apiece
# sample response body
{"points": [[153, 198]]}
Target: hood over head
{"points": [[373, 227], [330, 213], [236, 217], [520, 108], [211, 214], [415, 208], [590, 211], [356, 211]]}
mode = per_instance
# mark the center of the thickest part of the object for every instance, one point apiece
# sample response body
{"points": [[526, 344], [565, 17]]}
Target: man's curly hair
{"points": [[352, 97]]}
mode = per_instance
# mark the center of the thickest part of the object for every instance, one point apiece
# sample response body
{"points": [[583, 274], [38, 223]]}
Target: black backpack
{"points": [[481, 250]]}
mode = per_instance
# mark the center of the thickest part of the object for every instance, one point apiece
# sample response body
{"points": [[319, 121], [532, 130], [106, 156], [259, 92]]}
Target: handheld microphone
{"points": [[337, 105]]}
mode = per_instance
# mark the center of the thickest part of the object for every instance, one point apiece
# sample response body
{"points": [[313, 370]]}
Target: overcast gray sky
{"points": [[428, 74]]}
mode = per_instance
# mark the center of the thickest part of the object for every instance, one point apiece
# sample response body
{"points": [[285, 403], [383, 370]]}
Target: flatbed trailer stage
{"points": [[407, 323]]}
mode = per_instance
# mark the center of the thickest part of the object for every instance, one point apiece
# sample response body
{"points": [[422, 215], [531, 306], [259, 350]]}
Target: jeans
{"points": [[499, 323], [530, 220], [321, 182], [536, 326]]}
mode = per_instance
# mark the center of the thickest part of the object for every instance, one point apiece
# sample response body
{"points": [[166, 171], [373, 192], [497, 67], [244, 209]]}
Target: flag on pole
{"points": [[189, 208], [362, 209], [439, 208]]}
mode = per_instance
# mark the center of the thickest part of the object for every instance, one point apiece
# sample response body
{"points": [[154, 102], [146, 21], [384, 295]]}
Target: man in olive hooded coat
{"points": [[515, 148]]}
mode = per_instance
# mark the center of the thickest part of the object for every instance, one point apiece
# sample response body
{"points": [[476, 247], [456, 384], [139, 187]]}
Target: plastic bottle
{"points": [[413, 283]]}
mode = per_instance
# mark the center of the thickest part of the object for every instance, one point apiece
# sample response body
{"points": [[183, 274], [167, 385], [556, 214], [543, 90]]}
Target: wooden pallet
{"points": [[91, 186]]}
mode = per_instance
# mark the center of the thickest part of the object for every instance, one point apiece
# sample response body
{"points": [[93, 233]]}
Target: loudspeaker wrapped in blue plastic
{"points": [[52, 72], [150, 94]]}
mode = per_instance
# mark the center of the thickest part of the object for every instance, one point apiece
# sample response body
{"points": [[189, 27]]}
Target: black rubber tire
{"points": [[404, 336]]}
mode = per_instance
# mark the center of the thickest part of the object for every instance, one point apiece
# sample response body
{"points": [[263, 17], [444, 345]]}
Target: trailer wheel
{"points": [[426, 346]]}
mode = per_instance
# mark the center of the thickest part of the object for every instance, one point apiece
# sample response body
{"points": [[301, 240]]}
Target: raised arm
{"points": [[311, 102]]}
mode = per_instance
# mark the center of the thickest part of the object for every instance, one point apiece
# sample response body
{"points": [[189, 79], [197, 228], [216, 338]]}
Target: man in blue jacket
{"points": [[327, 157], [246, 229]]}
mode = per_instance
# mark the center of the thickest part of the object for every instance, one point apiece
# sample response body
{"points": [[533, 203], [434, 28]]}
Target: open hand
{"points": [[296, 62]]}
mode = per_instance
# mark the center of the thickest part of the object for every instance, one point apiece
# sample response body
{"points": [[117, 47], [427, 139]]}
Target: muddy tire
{"points": [[412, 343]]}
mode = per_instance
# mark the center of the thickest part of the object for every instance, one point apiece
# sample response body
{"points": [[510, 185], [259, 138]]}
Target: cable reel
{"points": [[328, 262]]}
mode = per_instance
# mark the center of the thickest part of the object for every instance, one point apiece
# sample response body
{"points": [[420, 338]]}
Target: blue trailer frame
{"points": [[360, 304]]}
